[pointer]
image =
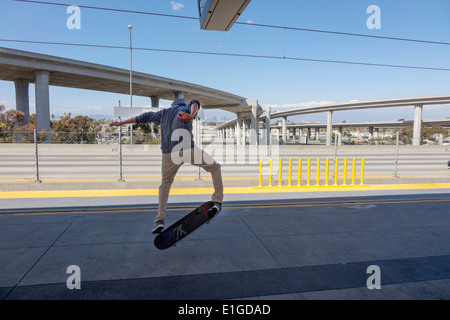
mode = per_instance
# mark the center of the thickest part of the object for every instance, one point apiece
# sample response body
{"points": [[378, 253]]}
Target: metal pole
{"points": [[130, 27], [37, 156], [353, 171], [131, 69], [280, 172], [290, 172], [308, 173], [198, 131], [344, 178], [363, 161], [318, 172], [120, 154], [396, 157], [299, 179]]}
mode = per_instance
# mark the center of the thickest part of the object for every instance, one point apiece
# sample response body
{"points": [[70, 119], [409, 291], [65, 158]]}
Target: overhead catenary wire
{"points": [[253, 24], [230, 54], [284, 57]]}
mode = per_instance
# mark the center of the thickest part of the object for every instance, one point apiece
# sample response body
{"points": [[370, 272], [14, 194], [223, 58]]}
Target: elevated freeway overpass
{"points": [[416, 102], [25, 67], [373, 126]]}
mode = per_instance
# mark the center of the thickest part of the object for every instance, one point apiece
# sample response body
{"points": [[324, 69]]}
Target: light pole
{"points": [[130, 27]]}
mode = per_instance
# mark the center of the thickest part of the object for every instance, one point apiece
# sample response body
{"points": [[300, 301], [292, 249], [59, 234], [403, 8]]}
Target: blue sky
{"points": [[277, 82]]}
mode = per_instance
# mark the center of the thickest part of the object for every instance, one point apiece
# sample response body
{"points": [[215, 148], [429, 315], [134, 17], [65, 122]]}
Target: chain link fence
{"points": [[72, 157]]}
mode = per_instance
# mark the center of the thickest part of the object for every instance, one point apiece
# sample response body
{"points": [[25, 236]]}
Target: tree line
{"points": [[62, 130]]}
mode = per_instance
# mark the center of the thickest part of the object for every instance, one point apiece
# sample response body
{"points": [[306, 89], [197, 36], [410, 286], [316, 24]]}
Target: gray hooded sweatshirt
{"points": [[173, 131]]}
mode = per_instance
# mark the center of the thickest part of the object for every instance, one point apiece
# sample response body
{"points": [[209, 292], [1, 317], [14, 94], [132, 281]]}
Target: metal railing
{"points": [[111, 157]]}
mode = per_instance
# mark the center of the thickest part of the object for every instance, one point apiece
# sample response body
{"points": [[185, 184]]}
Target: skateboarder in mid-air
{"points": [[177, 146]]}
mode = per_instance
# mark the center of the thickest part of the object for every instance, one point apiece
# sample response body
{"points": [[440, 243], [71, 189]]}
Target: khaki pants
{"points": [[171, 162]]}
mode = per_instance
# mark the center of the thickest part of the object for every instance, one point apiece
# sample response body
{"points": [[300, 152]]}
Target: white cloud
{"points": [[287, 106], [176, 5]]}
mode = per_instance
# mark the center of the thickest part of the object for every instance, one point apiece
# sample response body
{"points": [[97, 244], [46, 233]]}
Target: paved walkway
{"points": [[265, 244]]}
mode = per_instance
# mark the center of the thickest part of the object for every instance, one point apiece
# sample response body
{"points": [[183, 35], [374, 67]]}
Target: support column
{"points": [[267, 126], [370, 132], [284, 130], [179, 95], [254, 125], [238, 129], [417, 129], [245, 126], [329, 127], [22, 99], [42, 79], [317, 134], [155, 101]]}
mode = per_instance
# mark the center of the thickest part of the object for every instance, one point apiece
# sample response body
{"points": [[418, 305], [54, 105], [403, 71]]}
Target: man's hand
{"points": [[115, 124], [185, 117]]}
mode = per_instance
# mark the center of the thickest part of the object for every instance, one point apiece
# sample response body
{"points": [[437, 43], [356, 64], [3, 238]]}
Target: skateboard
{"points": [[179, 230]]}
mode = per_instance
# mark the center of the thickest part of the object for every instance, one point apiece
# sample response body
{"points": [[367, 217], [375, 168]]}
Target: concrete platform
{"points": [[264, 245]]}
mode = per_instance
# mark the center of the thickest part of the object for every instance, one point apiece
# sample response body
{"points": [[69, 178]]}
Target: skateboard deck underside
{"points": [[183, 227]]}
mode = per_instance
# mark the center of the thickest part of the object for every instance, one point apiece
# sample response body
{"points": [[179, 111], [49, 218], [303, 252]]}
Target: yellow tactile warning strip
{"points": [[197, 191]]}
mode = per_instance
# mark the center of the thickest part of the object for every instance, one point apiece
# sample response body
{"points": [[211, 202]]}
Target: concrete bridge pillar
{"points": [[370, 132], [155, 101], [284, 135], [179, 95], [245, 131], [267, 126], [417, 126], [238, 130], [329, 127], [22, 99], [42, 79], [254, 130]]}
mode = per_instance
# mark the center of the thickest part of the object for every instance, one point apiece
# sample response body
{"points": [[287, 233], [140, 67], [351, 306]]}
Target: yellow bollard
{"points": [[344, 182], [290, 172], [270, 172], [336, 167], [280, 172], [353, 171], [327, 171], [362, 170], [299, 179], [318, 172], [308, 174], [260, 172]]}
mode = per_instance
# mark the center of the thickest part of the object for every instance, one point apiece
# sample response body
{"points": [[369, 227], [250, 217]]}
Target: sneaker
{"points": [[214, 211], [159, 226]]}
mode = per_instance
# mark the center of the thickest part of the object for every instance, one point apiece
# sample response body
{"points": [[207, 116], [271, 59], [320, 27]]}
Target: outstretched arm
{"points": [[119, 123]]}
